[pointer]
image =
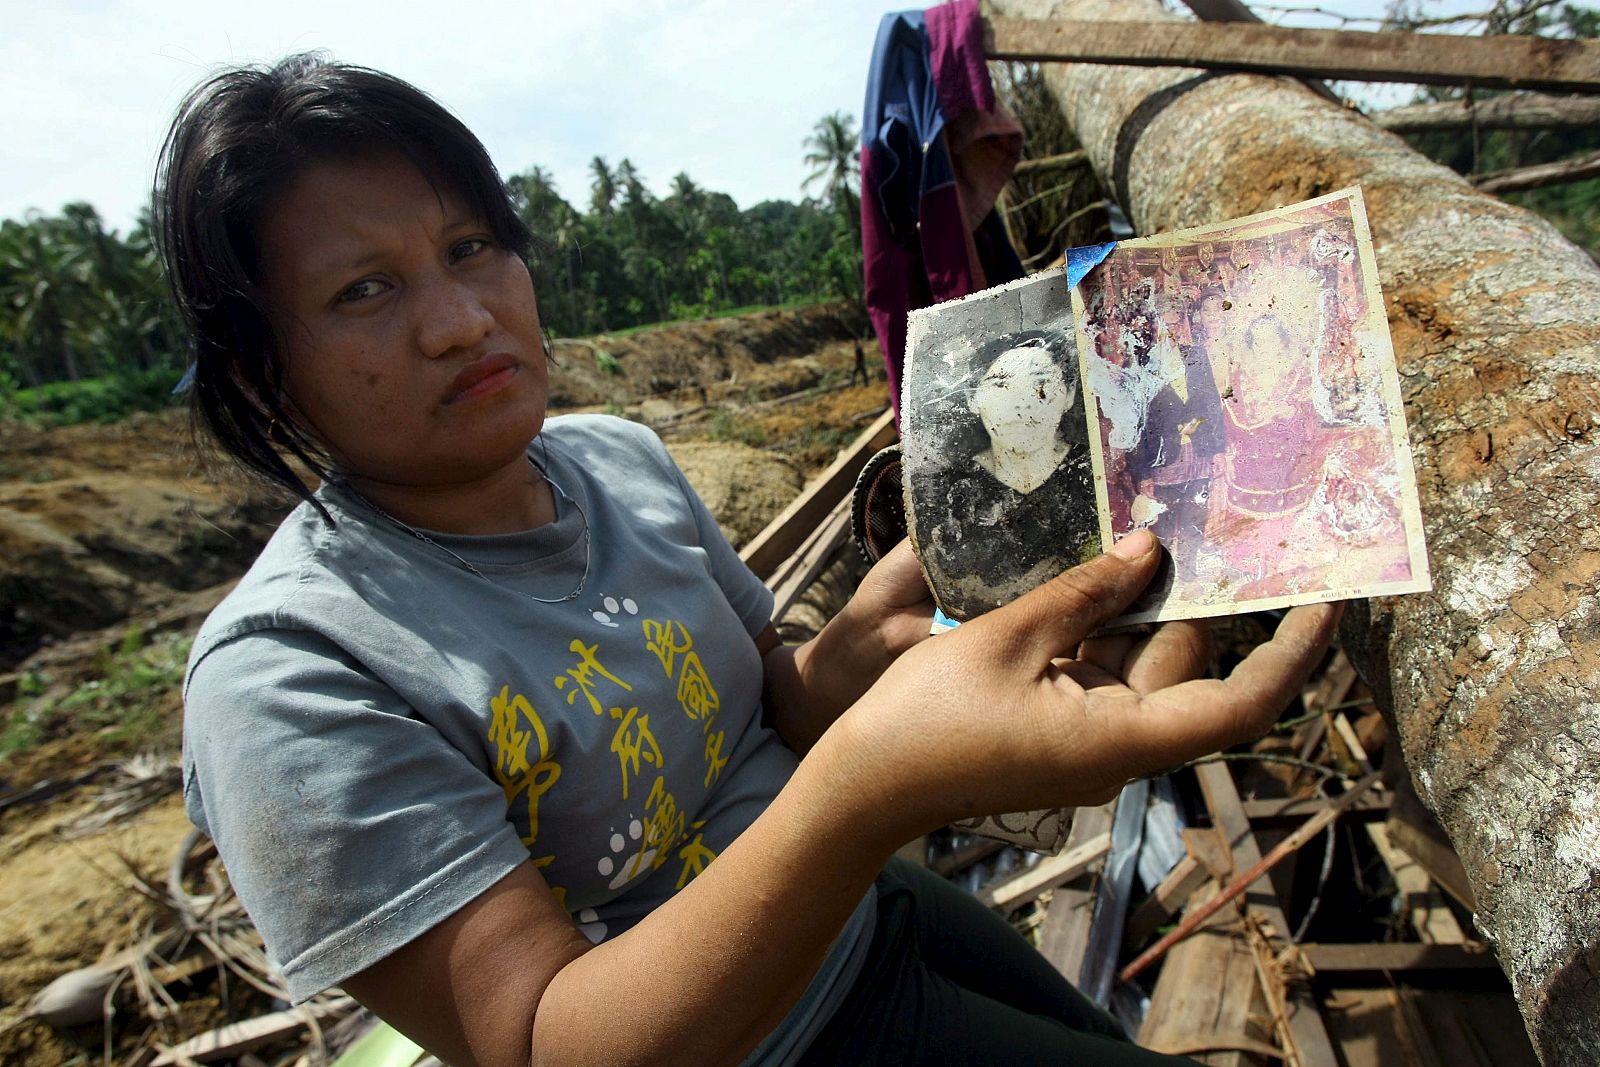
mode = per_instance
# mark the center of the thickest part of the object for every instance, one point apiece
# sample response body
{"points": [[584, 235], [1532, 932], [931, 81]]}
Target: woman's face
{"points": [[1023, 393], [1266, 346], [411, 341]]}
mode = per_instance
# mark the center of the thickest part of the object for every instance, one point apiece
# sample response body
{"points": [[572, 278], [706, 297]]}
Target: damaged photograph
{"points": [[1246, 409], [997, 467]]}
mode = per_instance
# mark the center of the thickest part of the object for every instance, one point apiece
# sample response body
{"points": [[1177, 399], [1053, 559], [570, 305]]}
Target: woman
{"points": [[473, 729], [1021, 400], [1300, 511]]}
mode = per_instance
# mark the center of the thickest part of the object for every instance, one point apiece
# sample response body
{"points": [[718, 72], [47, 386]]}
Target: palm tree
{"points": [[604, 190], [836, 163], [44, 293]]}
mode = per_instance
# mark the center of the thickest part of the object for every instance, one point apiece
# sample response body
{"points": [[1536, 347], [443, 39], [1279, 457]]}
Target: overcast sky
{"points": [[726, 90]]}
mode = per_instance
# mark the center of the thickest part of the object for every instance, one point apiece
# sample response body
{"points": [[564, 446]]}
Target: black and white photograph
{"points": [[999, 481]]}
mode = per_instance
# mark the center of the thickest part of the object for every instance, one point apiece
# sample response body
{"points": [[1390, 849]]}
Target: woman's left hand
{"points": [[893, 606]]}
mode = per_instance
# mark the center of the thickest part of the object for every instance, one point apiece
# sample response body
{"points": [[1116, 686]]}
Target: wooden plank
{"points": [[1168, 899], [1412, 1031], [1208, 848], [794, 524], [1065, 935], [810, 560], [1207, 995], [1499, 62], [1019, 888], [1227, 814], [1467, 1027], [1372, 807], [1424, 905], [1396, 956], [1425, 909]]}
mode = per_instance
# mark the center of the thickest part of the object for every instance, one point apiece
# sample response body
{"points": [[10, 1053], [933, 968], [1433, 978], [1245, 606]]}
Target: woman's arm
{"points": [[992, 717]]}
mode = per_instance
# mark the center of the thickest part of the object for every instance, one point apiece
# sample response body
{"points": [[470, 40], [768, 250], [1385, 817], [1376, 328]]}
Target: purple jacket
{"points": [[935, 152]]}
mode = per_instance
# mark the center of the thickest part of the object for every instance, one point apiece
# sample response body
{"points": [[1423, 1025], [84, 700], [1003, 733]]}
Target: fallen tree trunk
{"points": [[1493, 681], [1515, 111]]}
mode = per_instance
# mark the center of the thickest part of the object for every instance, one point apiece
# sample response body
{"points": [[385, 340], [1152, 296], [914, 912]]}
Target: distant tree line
{"points": [[80, 301]]}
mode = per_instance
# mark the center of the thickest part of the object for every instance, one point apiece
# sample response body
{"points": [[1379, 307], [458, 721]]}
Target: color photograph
{"points": [[1246, 411]]}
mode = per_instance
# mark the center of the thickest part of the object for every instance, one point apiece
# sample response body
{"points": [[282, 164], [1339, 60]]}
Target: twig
{"points": [[1273, 757], [1068, 221], [1036, 197], [1322, 884]]}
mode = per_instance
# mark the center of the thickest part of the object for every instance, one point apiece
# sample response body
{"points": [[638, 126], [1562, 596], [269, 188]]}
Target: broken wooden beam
{"points": [[1517, 111], [1227, 813], [1207, 1002], [1064, 937], [1540, 175], [1372, 807], [1020, 887], [1501, 62], [1285, 848]]}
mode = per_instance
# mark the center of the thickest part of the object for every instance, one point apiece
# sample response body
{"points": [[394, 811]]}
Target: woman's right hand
{"points": [[1016, 710]]}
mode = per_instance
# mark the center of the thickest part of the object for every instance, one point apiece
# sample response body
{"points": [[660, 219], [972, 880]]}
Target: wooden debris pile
{"points": [[1311, 912]]}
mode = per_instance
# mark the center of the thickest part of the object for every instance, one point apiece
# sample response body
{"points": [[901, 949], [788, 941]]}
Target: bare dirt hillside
{"points": [[115, 540]]}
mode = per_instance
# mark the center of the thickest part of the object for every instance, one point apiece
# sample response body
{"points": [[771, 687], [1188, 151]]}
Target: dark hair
{"points": [[238, 140]]}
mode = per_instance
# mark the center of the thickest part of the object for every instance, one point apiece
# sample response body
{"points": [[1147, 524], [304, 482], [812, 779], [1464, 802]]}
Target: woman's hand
{"points": [[892, 609], [1016, 710]]}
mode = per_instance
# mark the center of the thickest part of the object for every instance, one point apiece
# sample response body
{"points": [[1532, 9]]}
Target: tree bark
{"points": [[1493, 680]]}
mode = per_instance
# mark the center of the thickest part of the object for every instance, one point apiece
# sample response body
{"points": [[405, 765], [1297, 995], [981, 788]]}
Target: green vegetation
{"points": [[130, 703], [88, 331], [105, 399], [726, 426]]}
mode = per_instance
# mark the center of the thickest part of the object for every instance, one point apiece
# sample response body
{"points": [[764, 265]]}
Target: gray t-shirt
{"points": [[374, 735]]}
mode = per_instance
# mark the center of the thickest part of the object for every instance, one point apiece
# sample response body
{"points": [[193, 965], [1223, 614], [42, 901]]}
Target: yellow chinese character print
{"points": [[583, 673], [664, 824], [695, 855], [633, 742], [511, 767], [715, 760], [696, 695], [668, 640]]}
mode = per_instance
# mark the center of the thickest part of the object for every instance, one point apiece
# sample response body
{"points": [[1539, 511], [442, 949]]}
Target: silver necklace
{"points": [[588, 554]]}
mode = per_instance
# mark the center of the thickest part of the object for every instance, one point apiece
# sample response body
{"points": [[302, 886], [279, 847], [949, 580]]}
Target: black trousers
{"points": [[947, 981]]}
